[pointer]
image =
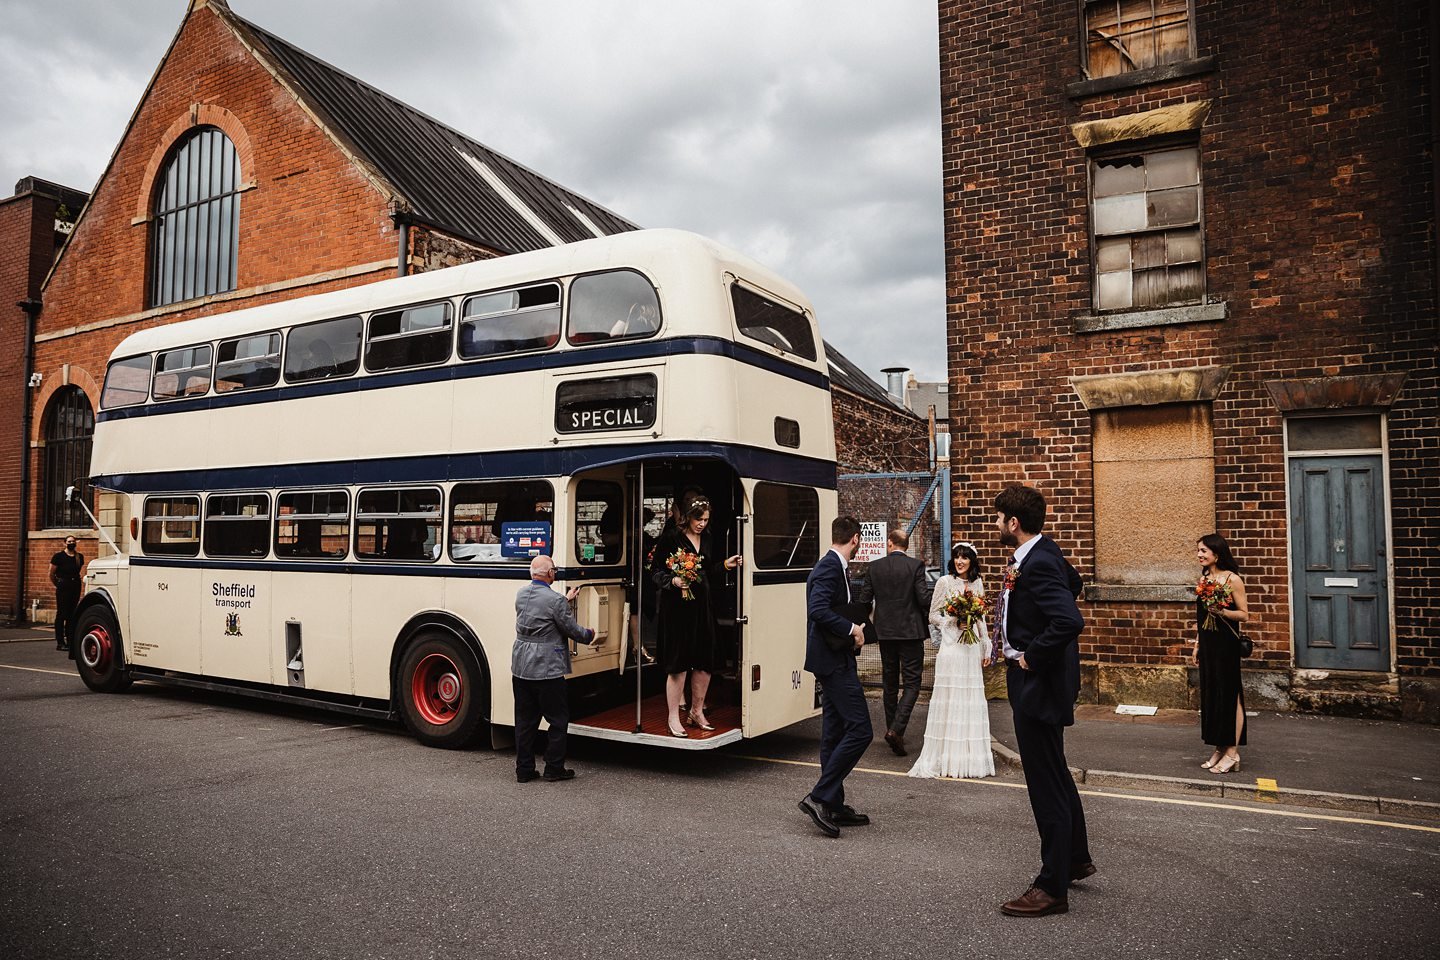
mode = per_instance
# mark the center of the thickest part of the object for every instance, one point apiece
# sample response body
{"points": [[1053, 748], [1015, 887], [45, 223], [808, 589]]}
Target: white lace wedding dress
{"points": [[957, 728]]}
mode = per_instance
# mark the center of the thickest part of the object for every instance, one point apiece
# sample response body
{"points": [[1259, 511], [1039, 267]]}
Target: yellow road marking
{"points": [[1265, 783], [1174, 801], [58, 673]]}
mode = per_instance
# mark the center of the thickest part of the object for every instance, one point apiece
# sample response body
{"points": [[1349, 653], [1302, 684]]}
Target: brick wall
{"points": [[28, 242], [1318, 217]]}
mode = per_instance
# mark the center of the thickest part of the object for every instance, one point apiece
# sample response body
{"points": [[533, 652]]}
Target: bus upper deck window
{"points": [[181, 373], [769, 322], [248, 362], [127, 382], [510, 321], [411, 337], [618, 305], [318, 351]]}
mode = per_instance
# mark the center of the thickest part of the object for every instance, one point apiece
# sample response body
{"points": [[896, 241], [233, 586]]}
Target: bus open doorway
{"points": [[628, 703]]}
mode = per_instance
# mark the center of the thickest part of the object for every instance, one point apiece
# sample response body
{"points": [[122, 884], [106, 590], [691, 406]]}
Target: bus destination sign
{"points": [[608, 403]]}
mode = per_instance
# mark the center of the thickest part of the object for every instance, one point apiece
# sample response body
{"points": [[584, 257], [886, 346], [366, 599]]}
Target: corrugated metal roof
{"points": [[847, 376], [424, 161]]}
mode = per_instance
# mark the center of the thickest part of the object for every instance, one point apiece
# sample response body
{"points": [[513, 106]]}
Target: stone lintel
{"points": [[1370, 391], [1150, 388], [1140, 592], [1180, 118], [1158, 317]]}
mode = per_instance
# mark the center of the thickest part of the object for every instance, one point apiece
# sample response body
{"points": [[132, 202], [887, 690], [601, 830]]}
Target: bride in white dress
{"points": [[957, 728]]}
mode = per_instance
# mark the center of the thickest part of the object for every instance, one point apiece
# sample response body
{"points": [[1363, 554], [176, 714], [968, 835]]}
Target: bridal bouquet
{"points": [[967, 608], [1214, 596], [686, 566]]}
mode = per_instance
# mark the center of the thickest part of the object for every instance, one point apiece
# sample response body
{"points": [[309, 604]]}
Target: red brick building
{"points": [[251, 172], [33, 225], [1192, 286]]}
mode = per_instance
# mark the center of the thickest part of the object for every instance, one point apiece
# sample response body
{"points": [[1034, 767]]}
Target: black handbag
{"points": [[1247, 645]]}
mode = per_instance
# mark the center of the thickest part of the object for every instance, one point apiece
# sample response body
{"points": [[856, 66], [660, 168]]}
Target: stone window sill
{"points": [[1140, 593], [1163, 317], [1195, 67]]}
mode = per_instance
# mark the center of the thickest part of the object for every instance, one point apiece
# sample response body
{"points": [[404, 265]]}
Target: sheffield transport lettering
{"points": [[237, 596]]}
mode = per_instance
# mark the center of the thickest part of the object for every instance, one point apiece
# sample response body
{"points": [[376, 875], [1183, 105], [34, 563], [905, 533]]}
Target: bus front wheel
{"points": [[98, 655], [440, 691]]}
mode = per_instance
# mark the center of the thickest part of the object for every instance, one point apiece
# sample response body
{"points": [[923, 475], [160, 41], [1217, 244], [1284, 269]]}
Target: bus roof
{"points": [[658, 252]]}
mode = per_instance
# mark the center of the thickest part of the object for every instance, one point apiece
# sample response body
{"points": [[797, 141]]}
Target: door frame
{"points": [[1384, 453]]}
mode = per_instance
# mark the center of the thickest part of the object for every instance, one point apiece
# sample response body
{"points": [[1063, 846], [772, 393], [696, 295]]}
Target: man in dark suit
{"points": [[1037, 631], [902, 610], [832, 640]]}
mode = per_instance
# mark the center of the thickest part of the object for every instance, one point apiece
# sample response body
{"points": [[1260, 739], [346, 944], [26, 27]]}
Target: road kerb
{"points": [[1410, 809]]}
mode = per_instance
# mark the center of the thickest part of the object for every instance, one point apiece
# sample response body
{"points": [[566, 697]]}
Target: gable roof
{"points": [[845, 375], [444, 178]]}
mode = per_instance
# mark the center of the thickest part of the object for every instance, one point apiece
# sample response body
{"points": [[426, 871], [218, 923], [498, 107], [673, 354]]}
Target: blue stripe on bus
{"points": [[751, 462], [552, 360], [767, 577]]}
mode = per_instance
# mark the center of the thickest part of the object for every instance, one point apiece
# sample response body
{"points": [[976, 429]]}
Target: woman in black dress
{"points": [[687, 621], [1220, 608]]}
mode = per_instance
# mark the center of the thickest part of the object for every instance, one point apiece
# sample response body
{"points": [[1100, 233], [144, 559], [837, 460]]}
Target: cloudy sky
{"points": [[802, 132]]}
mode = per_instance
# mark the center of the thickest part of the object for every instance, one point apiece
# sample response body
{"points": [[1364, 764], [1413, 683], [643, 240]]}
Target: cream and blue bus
{"points": [[334, 499]]}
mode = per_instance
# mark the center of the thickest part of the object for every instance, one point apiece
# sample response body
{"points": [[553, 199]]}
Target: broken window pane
{"points": [[1117, 175], [1126, 35]]}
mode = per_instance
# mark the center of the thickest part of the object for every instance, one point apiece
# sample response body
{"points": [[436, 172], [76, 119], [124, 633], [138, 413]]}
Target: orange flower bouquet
{"points": [[1214, 596], [967, 608], [687, 567]]}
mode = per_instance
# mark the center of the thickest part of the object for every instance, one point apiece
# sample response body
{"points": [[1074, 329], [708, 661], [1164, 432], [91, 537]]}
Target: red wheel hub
{"points": [[96, 649], [436, 689]]}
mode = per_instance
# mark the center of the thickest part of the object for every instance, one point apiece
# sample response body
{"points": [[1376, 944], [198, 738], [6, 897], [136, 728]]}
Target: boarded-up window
{"points": [[1126, 35], [1145, 220], [1154, 491]]}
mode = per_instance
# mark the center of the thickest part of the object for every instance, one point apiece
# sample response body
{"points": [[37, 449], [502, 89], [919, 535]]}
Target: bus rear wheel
{"points": [[98, 655], [440, 691]]}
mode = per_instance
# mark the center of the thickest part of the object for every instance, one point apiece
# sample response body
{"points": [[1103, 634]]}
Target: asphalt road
{"points": [[165, 823]]}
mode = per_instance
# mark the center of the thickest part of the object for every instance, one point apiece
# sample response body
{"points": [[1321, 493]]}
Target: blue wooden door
{"points": [[1342, 608]]}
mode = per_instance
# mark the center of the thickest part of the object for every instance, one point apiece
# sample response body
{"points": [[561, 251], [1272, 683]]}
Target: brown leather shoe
{"points": [[897, 744], [1079, 871], [1035, 903]]}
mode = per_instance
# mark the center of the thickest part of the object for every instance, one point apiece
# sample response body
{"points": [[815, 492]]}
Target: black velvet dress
{"points": [[1219, 680], [686, 627]]}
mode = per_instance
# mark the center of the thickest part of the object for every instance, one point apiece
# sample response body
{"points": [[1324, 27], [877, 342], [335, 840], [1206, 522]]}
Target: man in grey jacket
{"points": [[538, 665]]}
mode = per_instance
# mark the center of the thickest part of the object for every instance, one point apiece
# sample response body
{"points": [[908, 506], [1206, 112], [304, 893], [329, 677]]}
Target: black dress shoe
{"points": [[1079, 871], [564, 773], [847, 816], [525, 776], [1035, 903], [821, 816], [897, 744]]}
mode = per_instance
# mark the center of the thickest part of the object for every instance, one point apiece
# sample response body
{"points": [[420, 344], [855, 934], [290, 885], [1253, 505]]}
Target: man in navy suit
{"points": [[1037, 633], [832, 640]]}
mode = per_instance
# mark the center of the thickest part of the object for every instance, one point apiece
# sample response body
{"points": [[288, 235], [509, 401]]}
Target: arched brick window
{"points": [[69, 428], [196, 221]]}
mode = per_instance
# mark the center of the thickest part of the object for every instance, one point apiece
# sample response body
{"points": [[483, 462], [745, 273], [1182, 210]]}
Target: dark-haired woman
{"points": [[957, 728], [686, 619], [1220, 609]]}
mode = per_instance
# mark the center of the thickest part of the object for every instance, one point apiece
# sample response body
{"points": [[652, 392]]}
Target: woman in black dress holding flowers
{"points": [[682, 569], [1220, 609]]}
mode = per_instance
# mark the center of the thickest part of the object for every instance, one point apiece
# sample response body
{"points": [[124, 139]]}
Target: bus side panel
{"points": [[320, 604], [164, 618], [775, 642], [488, 607], [382, 607], [414, 418], [234, 623]]}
